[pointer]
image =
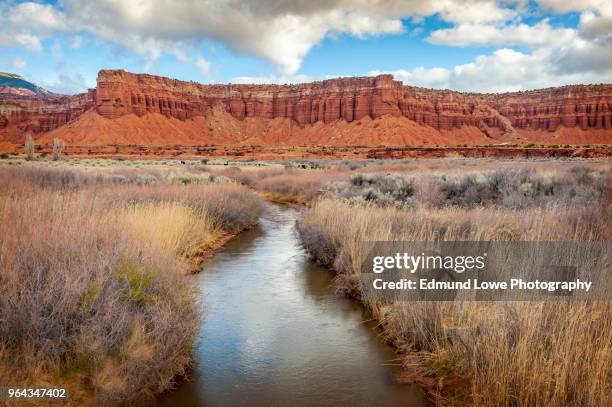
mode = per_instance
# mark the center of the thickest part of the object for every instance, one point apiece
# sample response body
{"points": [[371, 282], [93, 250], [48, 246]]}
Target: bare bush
{"points": [[290, 188], [58, 149], [92, 289], [29, 147], [510, 188]]}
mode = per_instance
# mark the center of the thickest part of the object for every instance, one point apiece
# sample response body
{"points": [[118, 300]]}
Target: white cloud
{"points": [[26, 24], [18, 63], [564, 6], [282, 35], [505, 70], [519, 34], [66, 84], [596, 25], [29, 41], [476, 11], [558, 56], [281, 31], [203, 66], [582, 56], [37, 18], [284, 32]]}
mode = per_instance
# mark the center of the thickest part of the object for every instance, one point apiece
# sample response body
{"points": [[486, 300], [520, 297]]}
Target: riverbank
{"points": [[97, 299], [481, 200], [277, 333], [93, 293], [468, 353]]}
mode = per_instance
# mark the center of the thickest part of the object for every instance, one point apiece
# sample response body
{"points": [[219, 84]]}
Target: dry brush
{"points": [[93, 293]]}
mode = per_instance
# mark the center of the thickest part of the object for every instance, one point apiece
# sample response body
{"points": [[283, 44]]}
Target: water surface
{"points": [[277, 334]]}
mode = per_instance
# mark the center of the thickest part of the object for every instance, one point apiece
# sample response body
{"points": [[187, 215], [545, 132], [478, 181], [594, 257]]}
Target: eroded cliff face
{"points": [[583, 106], [22, 115], [327, 112], [121, 93], [350, 99]]}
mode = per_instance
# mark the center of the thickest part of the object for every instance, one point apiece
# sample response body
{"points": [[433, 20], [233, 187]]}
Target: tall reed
{"points": [[499, 353]]}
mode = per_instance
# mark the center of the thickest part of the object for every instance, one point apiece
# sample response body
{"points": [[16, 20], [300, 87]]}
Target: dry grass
{"points": [[171, 226], [435, 182], [290, 188], [287, 185], [510, 188], [526, 354], [92, 289]]}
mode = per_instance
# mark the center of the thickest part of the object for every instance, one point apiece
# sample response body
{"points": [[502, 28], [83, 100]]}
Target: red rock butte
{"points": [[127, 108]]}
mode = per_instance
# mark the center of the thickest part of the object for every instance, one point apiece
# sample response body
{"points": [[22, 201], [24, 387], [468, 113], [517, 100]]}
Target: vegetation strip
{"points": [[500, 353], [92, 290]]}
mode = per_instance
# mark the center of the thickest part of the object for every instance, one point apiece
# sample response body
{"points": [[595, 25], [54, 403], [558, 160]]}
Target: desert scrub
{"points": [[510, 188], [295, 185], [57, 149], [29, 147], [93, 295], [503, 353], [68, 311], [384, 190]]}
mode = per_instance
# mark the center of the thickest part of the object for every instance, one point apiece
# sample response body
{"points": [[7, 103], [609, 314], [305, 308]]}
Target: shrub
{"points": [[290, 188], [58, 149], [92, 289], [29, 147], [510, 188], [361, 179], [76, 307]]}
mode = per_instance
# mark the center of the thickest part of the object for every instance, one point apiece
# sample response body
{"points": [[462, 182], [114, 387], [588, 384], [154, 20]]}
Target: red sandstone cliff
{"points": [[144, 109], [23, 115]]}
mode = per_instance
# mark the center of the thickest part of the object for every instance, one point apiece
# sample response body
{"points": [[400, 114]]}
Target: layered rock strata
{"points": [[43, 114], [349, 99], [581, 108]]}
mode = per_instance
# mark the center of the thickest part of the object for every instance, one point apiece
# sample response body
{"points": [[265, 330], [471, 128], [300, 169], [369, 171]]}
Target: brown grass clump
{"points": [[296, 186], [171, 226], [289, 188], [474, 353], [92, 289]]}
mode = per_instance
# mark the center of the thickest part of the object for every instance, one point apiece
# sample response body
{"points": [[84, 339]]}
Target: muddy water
{"points": [[276, 334]]}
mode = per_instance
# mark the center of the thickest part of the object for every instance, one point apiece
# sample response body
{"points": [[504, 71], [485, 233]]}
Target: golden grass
{"points": [[93, 295], [502, 353], [172, 226]]}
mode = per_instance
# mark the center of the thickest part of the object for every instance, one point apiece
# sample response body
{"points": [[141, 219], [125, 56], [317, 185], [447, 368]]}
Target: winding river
{"points": [[277, 334]]}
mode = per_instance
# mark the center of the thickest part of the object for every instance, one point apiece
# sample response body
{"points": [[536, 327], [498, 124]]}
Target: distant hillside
{"points": [[14, 84], [143, 109]]}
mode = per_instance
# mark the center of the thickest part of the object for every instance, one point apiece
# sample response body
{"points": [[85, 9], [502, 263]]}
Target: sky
{"points": [[464, 45]]}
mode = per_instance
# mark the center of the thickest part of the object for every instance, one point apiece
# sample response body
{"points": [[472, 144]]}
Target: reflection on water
{"points": [[276, 333]]}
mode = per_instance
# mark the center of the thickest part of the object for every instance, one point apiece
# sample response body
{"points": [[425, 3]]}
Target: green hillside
{"points": [[15, 81]]}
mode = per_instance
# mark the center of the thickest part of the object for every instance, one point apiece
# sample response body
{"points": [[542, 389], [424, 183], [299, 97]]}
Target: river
{"points": [[277, 334]]}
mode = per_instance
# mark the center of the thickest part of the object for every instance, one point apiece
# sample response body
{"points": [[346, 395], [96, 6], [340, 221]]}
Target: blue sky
{"points": [[467, 45]]}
